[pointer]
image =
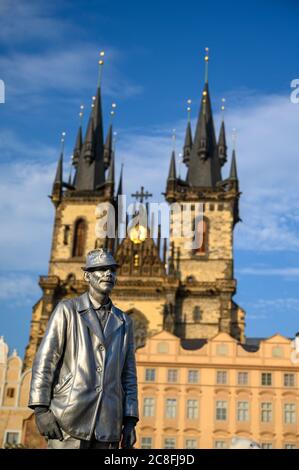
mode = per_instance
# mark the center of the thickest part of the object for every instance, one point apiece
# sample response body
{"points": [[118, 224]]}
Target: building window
{"points": [[148, 407], [289, 380], [290, 413], [12, 438], [169, 443], [243, 411], [79, 238], [220, 445], [146, 443], [193, 376], [266, 412], [266, 445], [172, 375], [192, 409], [162, 348], [66, 234], [242, 378], [222, 350], [221, 410], [290, 446], [171, 405], [266, 379], [10, 392], [191, 444], [221, 377], [150, 375]]}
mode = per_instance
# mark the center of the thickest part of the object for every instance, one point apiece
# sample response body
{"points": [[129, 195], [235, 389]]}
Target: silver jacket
{"points": [[86, 377]]}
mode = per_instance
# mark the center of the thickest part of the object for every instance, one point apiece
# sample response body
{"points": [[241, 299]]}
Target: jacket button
{"points": [[98, 389], [99, 369], [101, 347]]}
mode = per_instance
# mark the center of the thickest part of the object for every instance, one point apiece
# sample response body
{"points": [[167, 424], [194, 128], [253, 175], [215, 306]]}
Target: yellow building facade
{"points": [[192, 394]]}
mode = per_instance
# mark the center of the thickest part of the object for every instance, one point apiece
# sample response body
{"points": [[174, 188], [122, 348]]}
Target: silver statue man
{"points": [[84, 384]]}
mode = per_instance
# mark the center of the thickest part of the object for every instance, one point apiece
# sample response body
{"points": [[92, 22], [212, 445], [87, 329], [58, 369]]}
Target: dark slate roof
{"points": [[204, 170], [193, 344], [252, 344]]}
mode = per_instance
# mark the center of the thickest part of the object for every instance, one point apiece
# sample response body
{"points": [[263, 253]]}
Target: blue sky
{"points": [[153, 64]]}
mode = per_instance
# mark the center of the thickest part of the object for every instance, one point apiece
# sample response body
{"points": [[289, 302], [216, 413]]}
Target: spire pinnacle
{"points": [[189, 109], [112, 112], [63, 134], [101, 63], [222, 147], [81, 114], [172, 168], [58, 181], [120, 184], [234, 138], [207, 58], [173, 139], [222, 107], [233, 175]]}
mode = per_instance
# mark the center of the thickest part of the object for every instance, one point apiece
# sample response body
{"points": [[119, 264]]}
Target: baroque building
{"points": [[163, 284]]}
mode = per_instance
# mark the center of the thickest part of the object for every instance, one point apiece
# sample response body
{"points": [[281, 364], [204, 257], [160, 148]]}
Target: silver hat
{"points": [[99, 258]]}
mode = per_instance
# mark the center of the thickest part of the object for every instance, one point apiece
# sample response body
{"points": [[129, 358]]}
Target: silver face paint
{"points": [[102, 280]]}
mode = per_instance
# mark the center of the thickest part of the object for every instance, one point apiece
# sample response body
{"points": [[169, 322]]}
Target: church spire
{"points": [[120, 184], [108, 147], [79, 141], [91, 172], [222, 147], [233, 175], [204, 168], [172, 168], [58, 181], [188, 138]]}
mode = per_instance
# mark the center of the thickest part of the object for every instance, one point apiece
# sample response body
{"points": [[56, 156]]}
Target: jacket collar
{"points": [[88, 314]]}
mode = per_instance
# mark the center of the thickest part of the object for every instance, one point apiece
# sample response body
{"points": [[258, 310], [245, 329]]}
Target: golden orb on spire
{"points": [[138, 234], [102, 53], [207, 54]]}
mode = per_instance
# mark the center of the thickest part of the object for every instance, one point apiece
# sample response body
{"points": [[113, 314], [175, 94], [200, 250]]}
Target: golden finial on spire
{"points": [[81, 113], [101, 63], [189, 109], [112, 112], [207, 57], [63, 134], [234, 138], [223, 100], [92, 102]]}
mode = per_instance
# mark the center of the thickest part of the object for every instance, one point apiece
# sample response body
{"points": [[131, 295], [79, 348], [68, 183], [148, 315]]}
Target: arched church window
{"points": [[79, 238]]}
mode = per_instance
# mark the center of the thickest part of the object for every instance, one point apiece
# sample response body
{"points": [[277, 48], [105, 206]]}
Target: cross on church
{"points": [[142, 195]]}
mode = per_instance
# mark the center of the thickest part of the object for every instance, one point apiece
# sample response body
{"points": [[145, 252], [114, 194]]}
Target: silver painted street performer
{"points": [[84, 384]]}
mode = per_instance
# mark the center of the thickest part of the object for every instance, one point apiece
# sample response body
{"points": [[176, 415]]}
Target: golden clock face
{"points": [[138, 234]]}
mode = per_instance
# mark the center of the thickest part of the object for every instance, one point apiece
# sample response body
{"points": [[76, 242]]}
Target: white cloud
{"points": [[265, 308], [31, 20], [19, 288], [26, 215], [285, 272]]}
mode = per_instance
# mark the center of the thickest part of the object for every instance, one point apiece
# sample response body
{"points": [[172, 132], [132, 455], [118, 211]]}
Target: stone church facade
{"points": [[162, 283]]}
